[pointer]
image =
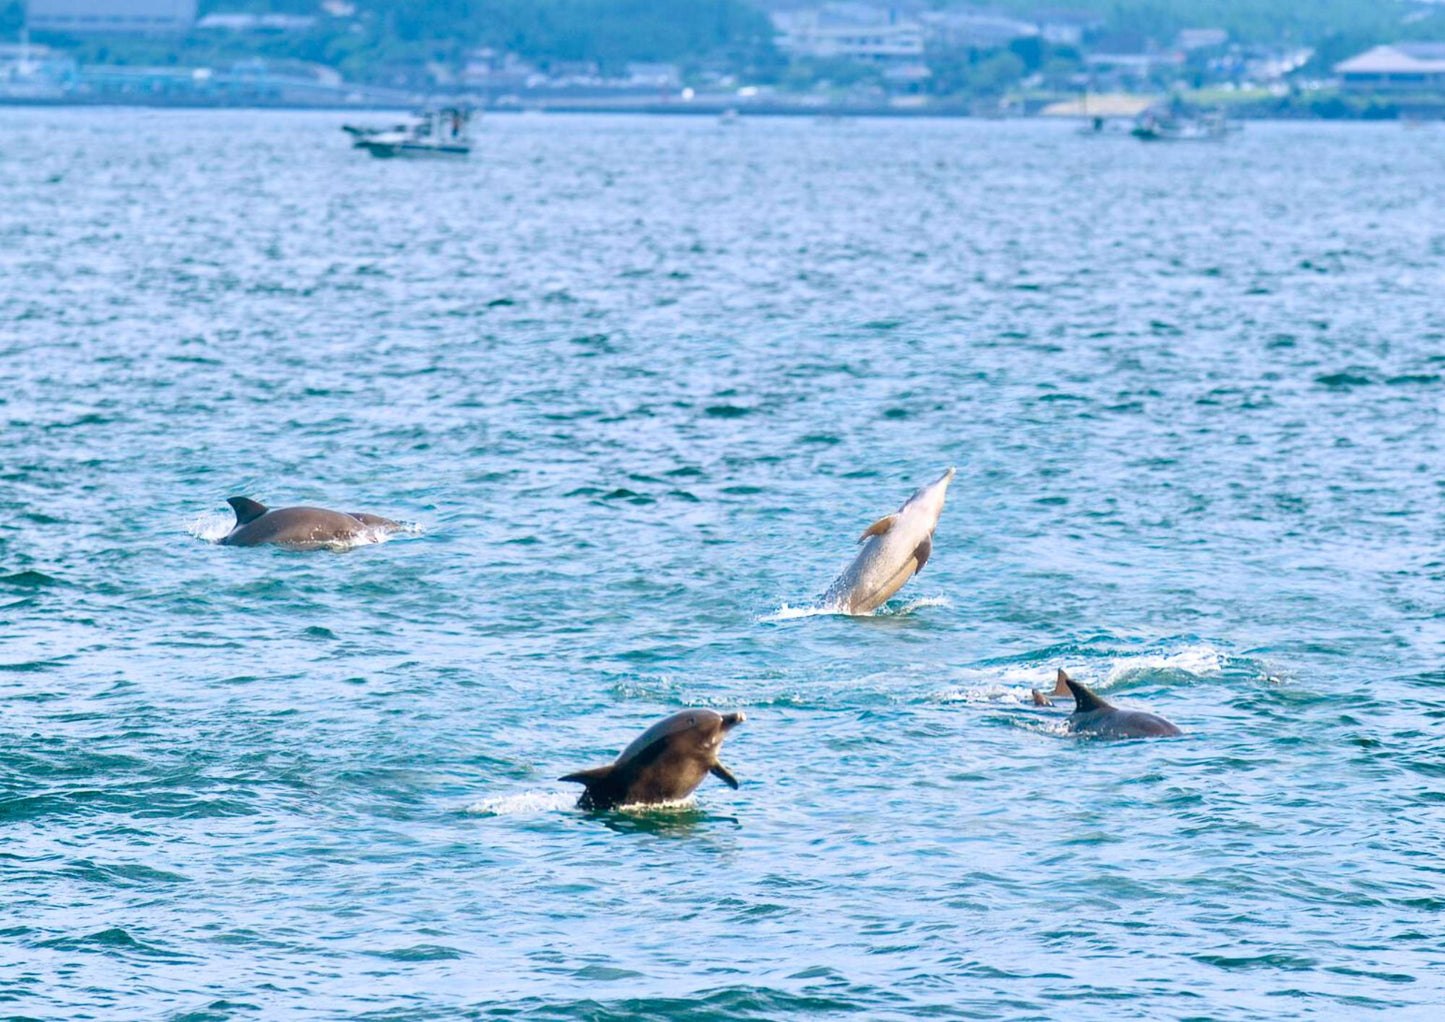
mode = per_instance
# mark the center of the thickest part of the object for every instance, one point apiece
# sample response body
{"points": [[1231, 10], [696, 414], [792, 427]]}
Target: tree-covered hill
{"points": [[381, 34]]}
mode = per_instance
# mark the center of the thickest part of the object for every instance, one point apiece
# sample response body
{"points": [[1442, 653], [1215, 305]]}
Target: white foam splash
{"points": [[1201, 659], [788, 612], [1012, 683], [987, 693], [530, 802], [523, 802], [676, 805], [211, 526]]}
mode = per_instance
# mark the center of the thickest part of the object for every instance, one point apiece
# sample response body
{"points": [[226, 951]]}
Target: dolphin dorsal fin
{"points": [[1084, 700], [1061, 684], [879, 527], [247, 510]]}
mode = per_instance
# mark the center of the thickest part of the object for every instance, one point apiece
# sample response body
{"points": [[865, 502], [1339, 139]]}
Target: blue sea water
{"points": [[639, 384]]}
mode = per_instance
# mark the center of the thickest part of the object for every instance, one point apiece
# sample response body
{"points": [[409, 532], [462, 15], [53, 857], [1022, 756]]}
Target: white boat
{"points": [[437, 134], [1164, 126]]}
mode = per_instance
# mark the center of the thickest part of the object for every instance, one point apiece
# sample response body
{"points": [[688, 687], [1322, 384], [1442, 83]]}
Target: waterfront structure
{"points": [[111, 17], [1399, 67]]}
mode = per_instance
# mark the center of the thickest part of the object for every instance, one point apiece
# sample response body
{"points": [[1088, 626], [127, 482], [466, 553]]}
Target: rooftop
{"points": [[1400, 58]]}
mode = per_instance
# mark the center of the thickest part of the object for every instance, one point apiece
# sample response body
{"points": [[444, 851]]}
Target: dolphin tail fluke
{"points": [[1061, 684], [247, 510], [1084, 700], [725, 775], [879, 527]]}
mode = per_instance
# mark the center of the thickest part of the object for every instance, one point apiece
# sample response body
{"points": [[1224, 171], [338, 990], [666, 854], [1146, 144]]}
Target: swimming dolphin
{"points": [[663, 764], [298, 528], [1061, 688], [1093, 716], [895, 548]]}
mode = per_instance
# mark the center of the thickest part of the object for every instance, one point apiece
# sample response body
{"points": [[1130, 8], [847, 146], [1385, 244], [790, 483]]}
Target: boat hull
{"points": [[413, 150]]}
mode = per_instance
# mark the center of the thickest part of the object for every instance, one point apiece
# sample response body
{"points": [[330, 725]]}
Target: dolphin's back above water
{"points": [[1094, 716], [895, 548], [299, 528], [663, 764]]}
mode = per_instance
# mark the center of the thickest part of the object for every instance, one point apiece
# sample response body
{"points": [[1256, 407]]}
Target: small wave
{"points": [[1057, 727], [908, 608], [524, 802], [1201, 659]]}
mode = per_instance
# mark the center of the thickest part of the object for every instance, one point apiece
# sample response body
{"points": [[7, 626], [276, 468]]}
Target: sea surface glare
{"points": [[640, 384]]}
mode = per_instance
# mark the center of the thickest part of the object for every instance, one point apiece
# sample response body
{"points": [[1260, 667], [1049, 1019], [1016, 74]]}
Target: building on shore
{"points": [[849, 31], [111, 17], [1067, 27], [1400, 67], [974, 29]]}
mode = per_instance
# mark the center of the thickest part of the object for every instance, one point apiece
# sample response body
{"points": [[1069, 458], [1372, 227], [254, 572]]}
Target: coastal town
{"points": [[776, 56]]}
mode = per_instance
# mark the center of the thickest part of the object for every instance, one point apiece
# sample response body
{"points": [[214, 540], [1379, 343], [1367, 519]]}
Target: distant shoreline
{"points": [[705, 108]]}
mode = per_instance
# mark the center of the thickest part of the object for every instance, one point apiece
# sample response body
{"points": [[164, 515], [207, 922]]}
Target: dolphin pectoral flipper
{"points": [[879, 527], [921, 554], [723, 774], [247, 510]]}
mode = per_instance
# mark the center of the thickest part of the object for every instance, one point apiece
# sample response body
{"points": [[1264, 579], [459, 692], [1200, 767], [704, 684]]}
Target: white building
{"points": [[1201, 38], [91, 17], [1399, 68], [1065, 27], [975, 29], [849, 32]]}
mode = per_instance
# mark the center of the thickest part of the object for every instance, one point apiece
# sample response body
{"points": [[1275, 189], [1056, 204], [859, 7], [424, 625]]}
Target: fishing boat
{"points": [[440, 133], [1156, 125]]}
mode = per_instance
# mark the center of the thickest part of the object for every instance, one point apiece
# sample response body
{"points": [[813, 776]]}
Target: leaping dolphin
{"points": [[1094, 716], [663, 764], [895, 548], [299, 528]]}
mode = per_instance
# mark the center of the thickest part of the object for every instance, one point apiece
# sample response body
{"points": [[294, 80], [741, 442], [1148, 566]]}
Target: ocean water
{"points": [[638, 384]]}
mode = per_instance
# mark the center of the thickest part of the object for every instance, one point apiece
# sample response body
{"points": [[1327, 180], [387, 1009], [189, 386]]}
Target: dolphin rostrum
{"points": [[895, 548], [663, 764], [1094, 716], [299, 528]]}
